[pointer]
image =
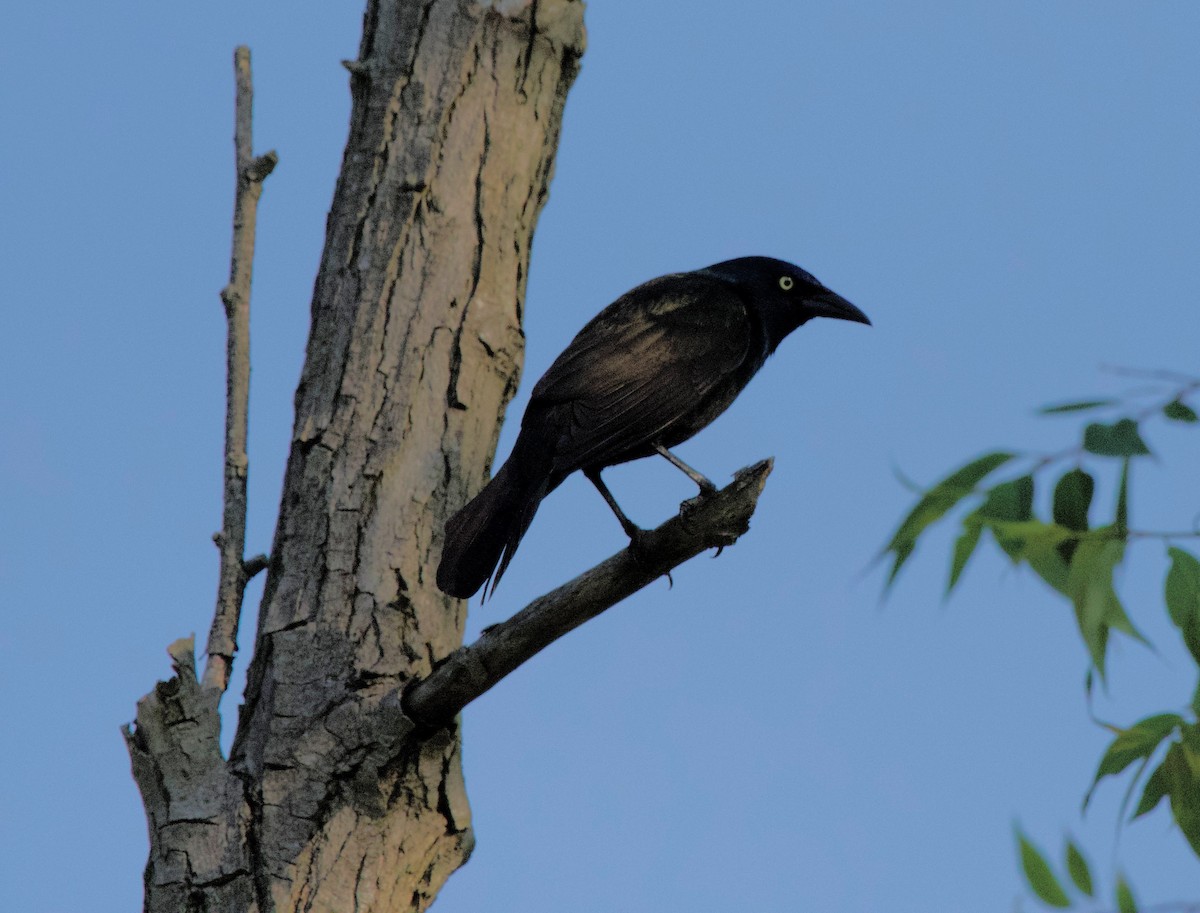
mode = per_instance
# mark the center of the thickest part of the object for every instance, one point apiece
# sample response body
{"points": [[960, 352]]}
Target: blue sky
{"points": [[1010, 190]]}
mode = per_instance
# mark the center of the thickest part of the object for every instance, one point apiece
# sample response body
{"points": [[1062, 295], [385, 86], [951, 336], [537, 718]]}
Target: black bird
{"points": [[648, 372]]}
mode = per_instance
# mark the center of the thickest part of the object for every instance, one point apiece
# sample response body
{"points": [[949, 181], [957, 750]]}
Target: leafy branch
{"points": [[1079, 887], [1076, 555]]}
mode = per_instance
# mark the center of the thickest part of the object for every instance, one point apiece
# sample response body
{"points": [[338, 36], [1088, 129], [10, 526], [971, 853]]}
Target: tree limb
{"points": [[235, 571], [467, 673], [197, 822]]}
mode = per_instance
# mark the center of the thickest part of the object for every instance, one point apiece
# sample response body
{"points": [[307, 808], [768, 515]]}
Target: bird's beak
{"points": [[827, 303]]}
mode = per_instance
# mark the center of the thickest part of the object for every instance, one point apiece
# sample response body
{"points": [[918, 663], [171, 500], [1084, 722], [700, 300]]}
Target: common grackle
{"points": [[648, 372]]}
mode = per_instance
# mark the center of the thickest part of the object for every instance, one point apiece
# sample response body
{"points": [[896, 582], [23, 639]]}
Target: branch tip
{"points": [[258, 169], [183, 654]]}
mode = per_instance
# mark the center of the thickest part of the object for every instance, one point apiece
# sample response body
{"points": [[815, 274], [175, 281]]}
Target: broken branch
{"points": [[714, 522]]}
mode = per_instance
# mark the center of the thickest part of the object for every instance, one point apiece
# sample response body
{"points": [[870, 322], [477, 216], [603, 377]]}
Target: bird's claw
{"points": [[707, 490]]}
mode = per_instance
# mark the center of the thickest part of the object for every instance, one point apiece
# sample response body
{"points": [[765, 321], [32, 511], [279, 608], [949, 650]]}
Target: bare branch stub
{"points": [[235, 572], [710, 522]]}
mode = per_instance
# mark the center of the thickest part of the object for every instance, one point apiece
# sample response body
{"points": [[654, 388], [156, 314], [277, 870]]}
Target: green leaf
{"points": [[1072, 499], [1183, 786], [1196, 702], [1155, 790], [1125, 901], [1180, 412], [1183, 586], [1020, 537], [1076, 407], [1041, 879], [1090, 586], [1133, 744], [964, 548], [1121, 522], [935, 503], [1009, 501], [1049, 564], [1040, 545], [1190, 739], [1120, 440], [1183, 597], [1077, 868]]}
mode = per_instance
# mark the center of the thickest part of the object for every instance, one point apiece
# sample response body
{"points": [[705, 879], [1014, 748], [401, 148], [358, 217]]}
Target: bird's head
{"points": [[784, 294]]}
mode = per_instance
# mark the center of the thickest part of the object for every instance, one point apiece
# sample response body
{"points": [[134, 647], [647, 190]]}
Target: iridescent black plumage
{"points": [[647, 372]]}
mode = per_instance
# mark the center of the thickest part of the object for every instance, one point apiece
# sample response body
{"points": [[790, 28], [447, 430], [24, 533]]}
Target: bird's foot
{"points": [[707, 490]]}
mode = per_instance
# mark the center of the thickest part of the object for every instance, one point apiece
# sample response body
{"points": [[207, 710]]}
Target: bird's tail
{"points": [[482, 537]]}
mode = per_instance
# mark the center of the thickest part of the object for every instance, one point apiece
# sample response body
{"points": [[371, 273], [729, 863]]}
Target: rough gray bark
{"points": [[416, 313], [333, 798], [326, 804]]}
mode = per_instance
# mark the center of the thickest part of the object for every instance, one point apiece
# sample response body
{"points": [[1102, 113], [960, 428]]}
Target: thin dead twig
{"points": [[235, 571]]}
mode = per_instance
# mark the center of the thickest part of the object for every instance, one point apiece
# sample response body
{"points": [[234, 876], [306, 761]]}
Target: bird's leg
{"points": [[706, 487], [632, 530]]}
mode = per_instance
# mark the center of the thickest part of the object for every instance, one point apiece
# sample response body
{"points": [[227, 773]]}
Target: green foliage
{"points": [[1082, 406], [1051, 890], [1078, 554], [1125, 902], [1179, 778], [1137, 743], [964, 548], [1075, 561], [1073, 499], [1180, 412], [1119, 440], [1066, 552], [1039, 875], [936, 503], [1077, 868], [1090, 586], [1157, 788], [1183, 597]]}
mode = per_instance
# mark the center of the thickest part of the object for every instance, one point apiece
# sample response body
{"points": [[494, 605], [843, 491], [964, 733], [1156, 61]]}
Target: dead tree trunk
{"points": [[330, 801], [344, 789]]}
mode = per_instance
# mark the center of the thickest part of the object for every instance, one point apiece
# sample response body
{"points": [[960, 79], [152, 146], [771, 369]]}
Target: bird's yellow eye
{"points": [[786, 283]]}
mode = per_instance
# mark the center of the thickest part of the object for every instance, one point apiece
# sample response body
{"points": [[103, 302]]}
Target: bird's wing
{"points": [[641, 366]]}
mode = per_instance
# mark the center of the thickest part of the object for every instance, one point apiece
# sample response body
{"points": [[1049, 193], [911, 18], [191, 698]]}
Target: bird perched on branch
{"points": [[647, 373]]}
